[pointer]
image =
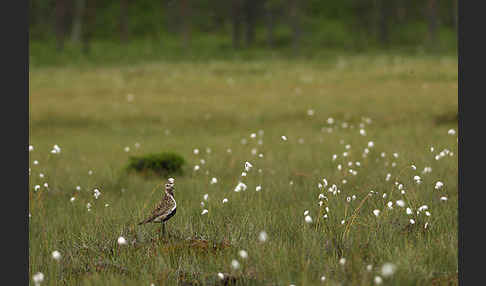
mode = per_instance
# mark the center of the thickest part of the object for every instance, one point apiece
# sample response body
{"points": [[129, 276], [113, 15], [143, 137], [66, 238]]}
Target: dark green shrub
{"points": [[161, 164]]}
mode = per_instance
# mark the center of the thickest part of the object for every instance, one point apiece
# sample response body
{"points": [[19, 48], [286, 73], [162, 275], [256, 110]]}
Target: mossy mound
{"points": [[161, 164]]}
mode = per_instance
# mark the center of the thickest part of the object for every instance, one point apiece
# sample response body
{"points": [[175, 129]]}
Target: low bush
{"points": [[160, 164]]}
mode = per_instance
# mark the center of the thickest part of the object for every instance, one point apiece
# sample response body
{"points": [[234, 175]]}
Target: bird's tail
{"points": [[143, 222]]}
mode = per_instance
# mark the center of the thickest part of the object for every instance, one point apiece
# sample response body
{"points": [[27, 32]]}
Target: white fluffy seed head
{"points": [[376, 212], [417, 179], [240, 187], [439, 185], [243, 254], [38, 278], [423, 208], [400, 203], [388, 269], [56, 255], [263, 236], [122, 241], [308, 219], [235, 264]]}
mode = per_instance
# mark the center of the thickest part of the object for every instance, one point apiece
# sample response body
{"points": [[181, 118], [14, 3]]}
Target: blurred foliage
{"points": [[161, 164], [276, 25]]}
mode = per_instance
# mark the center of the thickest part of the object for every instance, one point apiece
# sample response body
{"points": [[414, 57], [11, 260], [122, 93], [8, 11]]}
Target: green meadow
{"points": [[366, 124]]}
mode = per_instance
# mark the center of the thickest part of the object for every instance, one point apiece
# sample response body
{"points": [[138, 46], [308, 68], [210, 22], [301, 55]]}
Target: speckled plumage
{"points": [[165, 209]]}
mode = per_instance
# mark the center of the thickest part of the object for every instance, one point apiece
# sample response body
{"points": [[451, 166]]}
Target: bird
{"points": [[165, 209]]}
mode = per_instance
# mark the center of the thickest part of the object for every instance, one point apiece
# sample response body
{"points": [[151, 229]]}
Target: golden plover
{"points": [[165, 209]]}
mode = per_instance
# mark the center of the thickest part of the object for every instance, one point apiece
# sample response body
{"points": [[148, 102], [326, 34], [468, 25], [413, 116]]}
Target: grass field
{"points": [[404, 106]]}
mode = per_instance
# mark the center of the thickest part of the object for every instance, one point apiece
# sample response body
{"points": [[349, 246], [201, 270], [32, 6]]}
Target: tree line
{"points": [[277, 22]]}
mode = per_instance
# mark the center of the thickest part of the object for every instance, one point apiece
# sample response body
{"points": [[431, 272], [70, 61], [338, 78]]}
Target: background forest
{"points": [[198, 29]]}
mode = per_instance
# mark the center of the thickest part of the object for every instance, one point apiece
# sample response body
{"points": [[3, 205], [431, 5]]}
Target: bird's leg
{"points": [[163, 228]]}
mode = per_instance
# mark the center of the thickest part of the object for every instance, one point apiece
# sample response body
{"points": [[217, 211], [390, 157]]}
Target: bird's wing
{"points": [[163, 208]]}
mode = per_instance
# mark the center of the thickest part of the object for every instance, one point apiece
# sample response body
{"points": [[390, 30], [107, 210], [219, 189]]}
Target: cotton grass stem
{"points": [[353, 217]]}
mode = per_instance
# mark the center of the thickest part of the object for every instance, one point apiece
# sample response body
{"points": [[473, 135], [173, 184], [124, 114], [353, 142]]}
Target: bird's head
{"points": [[169, 187]]}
